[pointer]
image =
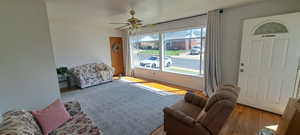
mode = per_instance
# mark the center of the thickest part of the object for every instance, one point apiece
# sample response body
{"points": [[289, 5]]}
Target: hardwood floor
{"points": [[244, 120], [163, 86]]}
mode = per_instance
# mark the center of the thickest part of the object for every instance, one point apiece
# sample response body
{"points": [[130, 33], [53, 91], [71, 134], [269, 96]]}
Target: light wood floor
{"points": [[243, 120]]}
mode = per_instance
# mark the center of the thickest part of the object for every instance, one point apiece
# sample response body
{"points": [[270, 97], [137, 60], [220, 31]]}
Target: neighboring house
{"points": [[150, 45], [149, 42], [183, 40], [182, 44]]}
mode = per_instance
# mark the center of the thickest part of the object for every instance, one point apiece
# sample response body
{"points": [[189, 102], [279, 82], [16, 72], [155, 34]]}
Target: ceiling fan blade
{"points": [[119, 28], [124, 28], [149, 25], [118, 23]]}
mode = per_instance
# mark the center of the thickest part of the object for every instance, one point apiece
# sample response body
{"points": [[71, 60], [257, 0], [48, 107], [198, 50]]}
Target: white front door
{"points": [[269, 59]]}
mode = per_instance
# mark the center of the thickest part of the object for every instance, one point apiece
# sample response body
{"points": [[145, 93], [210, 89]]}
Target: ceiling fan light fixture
{"points": [[133, 23]]}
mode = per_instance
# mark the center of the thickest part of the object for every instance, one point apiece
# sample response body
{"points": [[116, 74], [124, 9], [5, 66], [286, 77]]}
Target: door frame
{"points": [[122, 57]]}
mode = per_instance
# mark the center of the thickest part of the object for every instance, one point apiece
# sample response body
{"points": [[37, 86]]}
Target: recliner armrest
{"points": [[195, 99], [180, 116]]}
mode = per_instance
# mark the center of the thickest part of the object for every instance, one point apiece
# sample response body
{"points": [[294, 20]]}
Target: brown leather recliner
{"points": [[196, 115]]}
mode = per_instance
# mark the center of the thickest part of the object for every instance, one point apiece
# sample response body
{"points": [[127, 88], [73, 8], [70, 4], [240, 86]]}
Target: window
{"points": [[146, 51], [184, 51], [271, 28]]}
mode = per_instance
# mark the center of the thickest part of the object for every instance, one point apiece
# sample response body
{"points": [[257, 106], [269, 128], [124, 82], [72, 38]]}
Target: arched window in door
{"points": [[271, 28]]}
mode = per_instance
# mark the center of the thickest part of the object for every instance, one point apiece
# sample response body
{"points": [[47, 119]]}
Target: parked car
{"points": [[196, 50], [154, 61], [168, 61]]}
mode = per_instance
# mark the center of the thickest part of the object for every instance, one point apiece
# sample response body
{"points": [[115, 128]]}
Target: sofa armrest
{"points": [[77, 77], [195, 100], [179, 116], [73, 107]]}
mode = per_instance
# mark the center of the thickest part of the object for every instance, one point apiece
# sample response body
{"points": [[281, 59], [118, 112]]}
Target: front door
{"points": [[116, 47], [269, 59]]}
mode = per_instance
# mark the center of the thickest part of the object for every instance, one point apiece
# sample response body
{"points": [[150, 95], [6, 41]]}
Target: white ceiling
{"points": [[151, 11]]}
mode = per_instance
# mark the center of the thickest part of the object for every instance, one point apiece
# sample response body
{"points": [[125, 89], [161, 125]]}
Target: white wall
{"points": [[233, 20], [27, 69], [80, 43]]}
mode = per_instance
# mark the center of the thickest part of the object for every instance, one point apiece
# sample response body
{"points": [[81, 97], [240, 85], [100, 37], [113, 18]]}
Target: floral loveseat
{"points": [[23, 123], [91, 74]]}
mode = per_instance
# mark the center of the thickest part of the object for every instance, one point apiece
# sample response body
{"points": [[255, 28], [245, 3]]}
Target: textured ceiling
{"points": [[151, 11]]}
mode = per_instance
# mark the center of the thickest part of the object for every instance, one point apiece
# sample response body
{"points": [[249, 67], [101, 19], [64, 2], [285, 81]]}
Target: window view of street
{"points": [[145, 51], [183, 51]]}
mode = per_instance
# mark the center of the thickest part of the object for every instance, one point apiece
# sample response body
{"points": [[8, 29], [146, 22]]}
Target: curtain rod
{"points": [[183, 18]]}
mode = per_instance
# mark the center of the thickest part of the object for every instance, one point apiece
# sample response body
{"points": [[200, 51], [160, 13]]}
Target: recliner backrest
{"points": [[219, 108]]}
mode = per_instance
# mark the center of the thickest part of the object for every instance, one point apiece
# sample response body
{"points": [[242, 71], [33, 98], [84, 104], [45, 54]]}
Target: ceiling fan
{"points": [[132, 23]]}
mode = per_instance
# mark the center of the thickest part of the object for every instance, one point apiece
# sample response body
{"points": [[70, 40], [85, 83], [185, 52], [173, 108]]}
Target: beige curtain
{"points": [[127, 53], [131, 52], [213, 52]]}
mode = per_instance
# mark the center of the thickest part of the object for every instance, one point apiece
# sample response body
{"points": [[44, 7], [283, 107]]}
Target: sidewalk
{"points": [[183, 70], [188, 56]]}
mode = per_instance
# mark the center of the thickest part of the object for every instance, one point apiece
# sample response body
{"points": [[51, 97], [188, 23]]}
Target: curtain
{"points": [[213, 52], [131, 52], [127, 54]]}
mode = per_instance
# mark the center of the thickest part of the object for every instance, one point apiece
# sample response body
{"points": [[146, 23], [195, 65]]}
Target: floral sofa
{"points": [[92, 74], [23, 123]]}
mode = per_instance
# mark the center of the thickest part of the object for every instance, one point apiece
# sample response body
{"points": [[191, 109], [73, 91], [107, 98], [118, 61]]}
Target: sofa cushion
{"points": [[86, 68], [52, 117], [80, 124], [90, 75], [19, 123]]}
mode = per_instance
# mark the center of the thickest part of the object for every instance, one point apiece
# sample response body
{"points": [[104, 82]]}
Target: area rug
{"points": [[122, 107]]}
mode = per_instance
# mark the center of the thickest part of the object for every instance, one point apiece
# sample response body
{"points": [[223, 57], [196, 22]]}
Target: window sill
{"points": [[170, 72], [153, 69], [199, 76]]}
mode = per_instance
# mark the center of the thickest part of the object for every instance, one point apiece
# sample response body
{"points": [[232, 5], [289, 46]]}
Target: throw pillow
{"points": [[52, 117], [100, 67]]}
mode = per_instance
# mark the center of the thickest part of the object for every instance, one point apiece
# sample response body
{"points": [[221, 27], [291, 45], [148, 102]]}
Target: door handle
{"points": [[241, 70]]}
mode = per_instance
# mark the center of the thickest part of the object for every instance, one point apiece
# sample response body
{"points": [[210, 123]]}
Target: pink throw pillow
{"points": [[51, 117]]}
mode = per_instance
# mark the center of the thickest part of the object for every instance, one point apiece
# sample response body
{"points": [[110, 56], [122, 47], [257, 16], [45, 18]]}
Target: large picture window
{"points": [[146, 51], [182, 51]]}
